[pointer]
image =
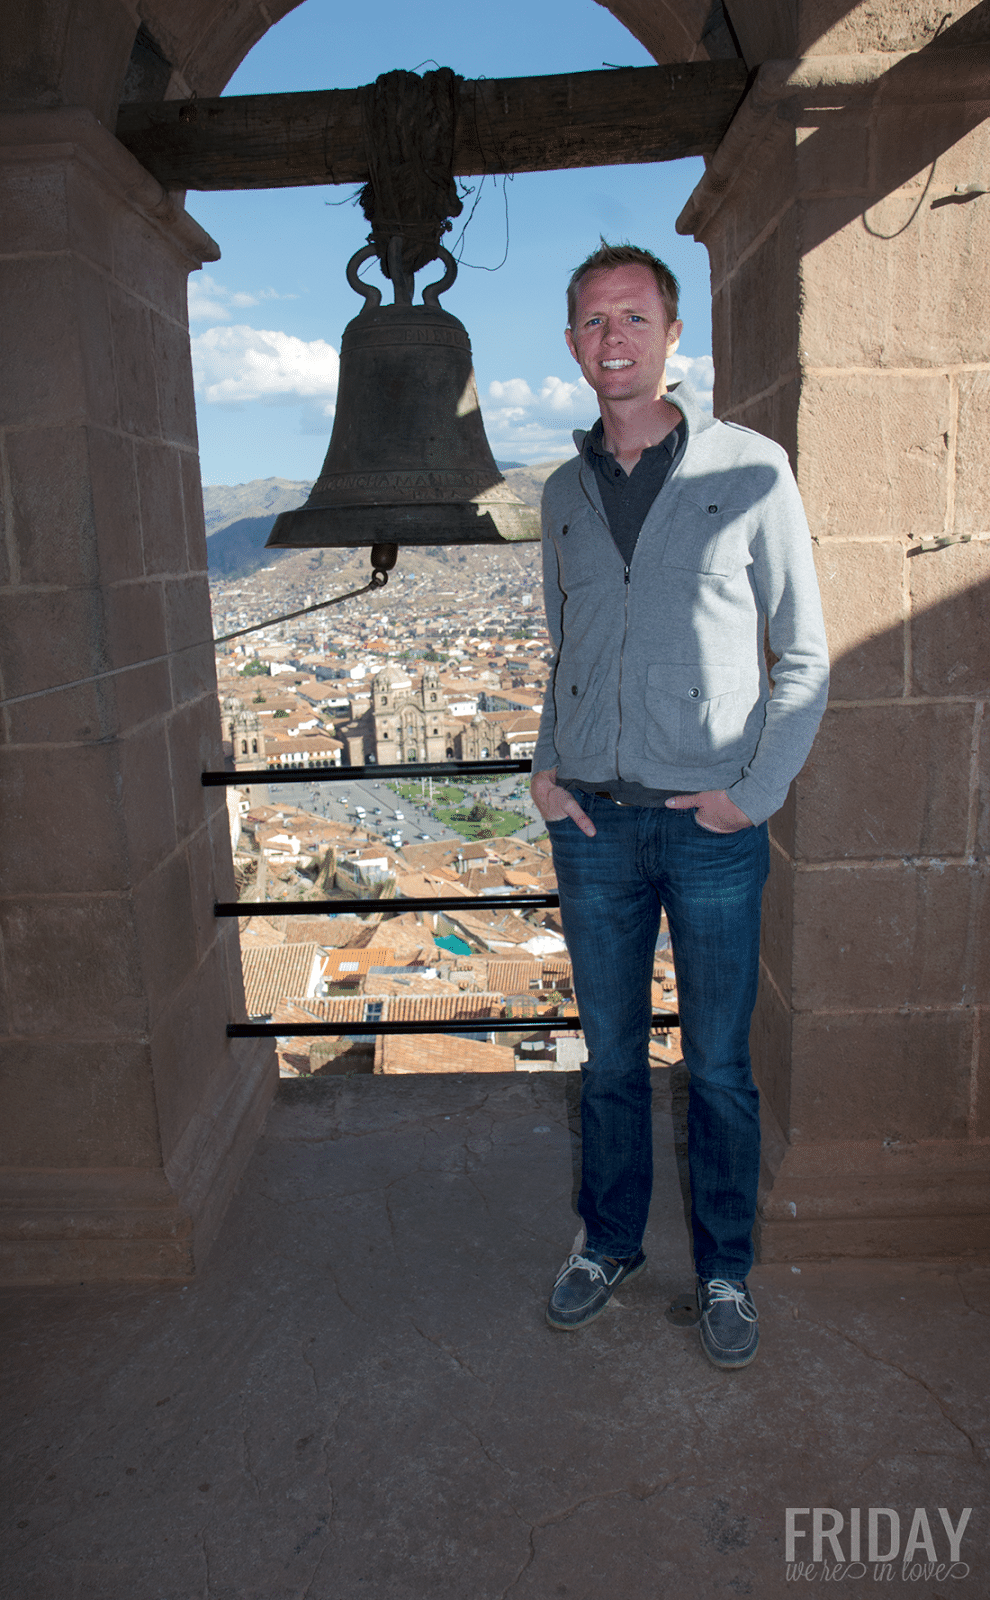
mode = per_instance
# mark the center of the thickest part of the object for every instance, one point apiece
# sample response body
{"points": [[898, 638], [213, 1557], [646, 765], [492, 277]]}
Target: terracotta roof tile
{"points": [[273, 972], [341, 1008], [407, 1008], [430, 1052], [512, 977], [441, 1007], [343, 965]]}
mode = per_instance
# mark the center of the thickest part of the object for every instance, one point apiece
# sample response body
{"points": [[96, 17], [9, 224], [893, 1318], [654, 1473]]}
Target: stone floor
{"points": [[360, 1400]]}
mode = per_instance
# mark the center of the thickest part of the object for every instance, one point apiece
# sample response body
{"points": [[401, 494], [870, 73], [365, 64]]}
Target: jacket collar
{"points": [[680, 395]]}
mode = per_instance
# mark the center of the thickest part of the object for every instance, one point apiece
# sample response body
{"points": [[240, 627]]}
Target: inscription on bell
{"points": [[407, 482], [386, 336]]}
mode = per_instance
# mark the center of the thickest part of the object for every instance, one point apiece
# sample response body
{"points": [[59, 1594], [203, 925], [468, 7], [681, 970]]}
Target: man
{"points": [[674, 547]]}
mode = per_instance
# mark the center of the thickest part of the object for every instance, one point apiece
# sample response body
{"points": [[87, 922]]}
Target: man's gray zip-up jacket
{"points": [[660, 674]]}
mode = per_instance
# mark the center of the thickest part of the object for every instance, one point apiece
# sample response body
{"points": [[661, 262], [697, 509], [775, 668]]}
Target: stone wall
{"points": [[127, 1112], [851, 323]]}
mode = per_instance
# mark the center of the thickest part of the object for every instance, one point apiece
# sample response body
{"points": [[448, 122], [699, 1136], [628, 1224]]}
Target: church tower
{"points": [[434, 704], [434, 714], [247, 740], [247, 746], [385, 700]]}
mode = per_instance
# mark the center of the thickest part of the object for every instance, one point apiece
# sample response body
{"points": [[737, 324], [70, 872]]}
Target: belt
{"points": [[603, 794]]}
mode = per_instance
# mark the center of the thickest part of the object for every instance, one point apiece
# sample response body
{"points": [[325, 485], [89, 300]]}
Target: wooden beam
{"points": [[577, 119]]}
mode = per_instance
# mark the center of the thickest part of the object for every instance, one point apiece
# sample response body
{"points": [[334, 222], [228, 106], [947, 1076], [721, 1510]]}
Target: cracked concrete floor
{"points": [[360, 1397]]}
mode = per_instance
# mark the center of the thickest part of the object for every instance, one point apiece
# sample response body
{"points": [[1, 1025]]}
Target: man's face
{"points": [[621, 337]]}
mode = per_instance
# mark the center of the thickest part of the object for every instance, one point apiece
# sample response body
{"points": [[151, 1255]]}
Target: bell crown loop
{"points": [[402, 282]]}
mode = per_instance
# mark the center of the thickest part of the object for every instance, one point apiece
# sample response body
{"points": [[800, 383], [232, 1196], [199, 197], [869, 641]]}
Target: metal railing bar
{"points": [[437, 902], [661, 1020], [413, 769]]}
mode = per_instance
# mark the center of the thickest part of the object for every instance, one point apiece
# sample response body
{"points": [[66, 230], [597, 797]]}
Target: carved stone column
{"points": [[851, 316], [128, 1114]]}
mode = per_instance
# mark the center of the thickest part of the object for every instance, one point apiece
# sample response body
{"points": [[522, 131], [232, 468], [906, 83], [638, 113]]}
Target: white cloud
{"points": [[556, 396], [523, 426], [238, 364], [698, 371], [210, 301], [514, 392]]}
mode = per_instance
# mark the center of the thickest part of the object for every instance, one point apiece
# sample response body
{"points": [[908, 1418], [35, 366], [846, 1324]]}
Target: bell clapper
{"points": [[383, 559]]}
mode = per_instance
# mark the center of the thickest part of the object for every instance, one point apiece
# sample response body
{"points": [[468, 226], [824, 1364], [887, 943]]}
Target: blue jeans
{"points": [[612, 889]]}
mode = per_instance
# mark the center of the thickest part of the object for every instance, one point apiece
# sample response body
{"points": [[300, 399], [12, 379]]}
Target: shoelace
{"points": [[581, 1261], [720, 1292]]}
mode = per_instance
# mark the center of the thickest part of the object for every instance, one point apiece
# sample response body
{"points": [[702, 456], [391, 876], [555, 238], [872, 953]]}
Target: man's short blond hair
{"points": [[625, 255]]}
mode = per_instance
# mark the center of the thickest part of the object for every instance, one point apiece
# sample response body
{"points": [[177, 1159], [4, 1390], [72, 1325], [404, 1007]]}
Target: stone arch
{"points": [[108, 670], [94, 53], [207, 42]]}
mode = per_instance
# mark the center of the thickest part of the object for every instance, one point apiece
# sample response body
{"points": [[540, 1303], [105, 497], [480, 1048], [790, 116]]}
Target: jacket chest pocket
{"points": [[707, 536], [586, 555]]}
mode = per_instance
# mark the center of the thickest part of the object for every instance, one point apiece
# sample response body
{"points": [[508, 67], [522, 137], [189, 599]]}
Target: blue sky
{"points": [[266, 319]]}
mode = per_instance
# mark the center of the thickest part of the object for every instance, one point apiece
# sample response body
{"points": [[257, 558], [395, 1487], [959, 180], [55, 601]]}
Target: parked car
{"points": [[400, 816]]}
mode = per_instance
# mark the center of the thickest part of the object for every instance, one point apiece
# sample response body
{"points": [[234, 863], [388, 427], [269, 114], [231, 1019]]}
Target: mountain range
{"points": [[239, 517]]}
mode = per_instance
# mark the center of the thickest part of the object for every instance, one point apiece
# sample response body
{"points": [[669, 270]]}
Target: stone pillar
{"points": [[128, 1114], [851, 316]]}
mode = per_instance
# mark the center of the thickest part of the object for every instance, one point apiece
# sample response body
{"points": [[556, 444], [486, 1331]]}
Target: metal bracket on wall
{"points": [[943, 540]]}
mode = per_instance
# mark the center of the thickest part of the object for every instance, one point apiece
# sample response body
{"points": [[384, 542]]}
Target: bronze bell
{"points": [[408, 463]]}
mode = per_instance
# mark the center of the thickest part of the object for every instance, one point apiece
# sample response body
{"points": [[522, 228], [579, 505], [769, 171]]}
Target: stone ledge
{"points": [[207, 1164], [831, 84], [878, 1196], [913, 1200], [102, 1227], [864, 1204], [961, 1239], [132, 1225], [72, 133]]}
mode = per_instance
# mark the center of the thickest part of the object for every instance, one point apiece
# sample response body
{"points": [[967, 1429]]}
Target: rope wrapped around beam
{"points": [[409, 125]]}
